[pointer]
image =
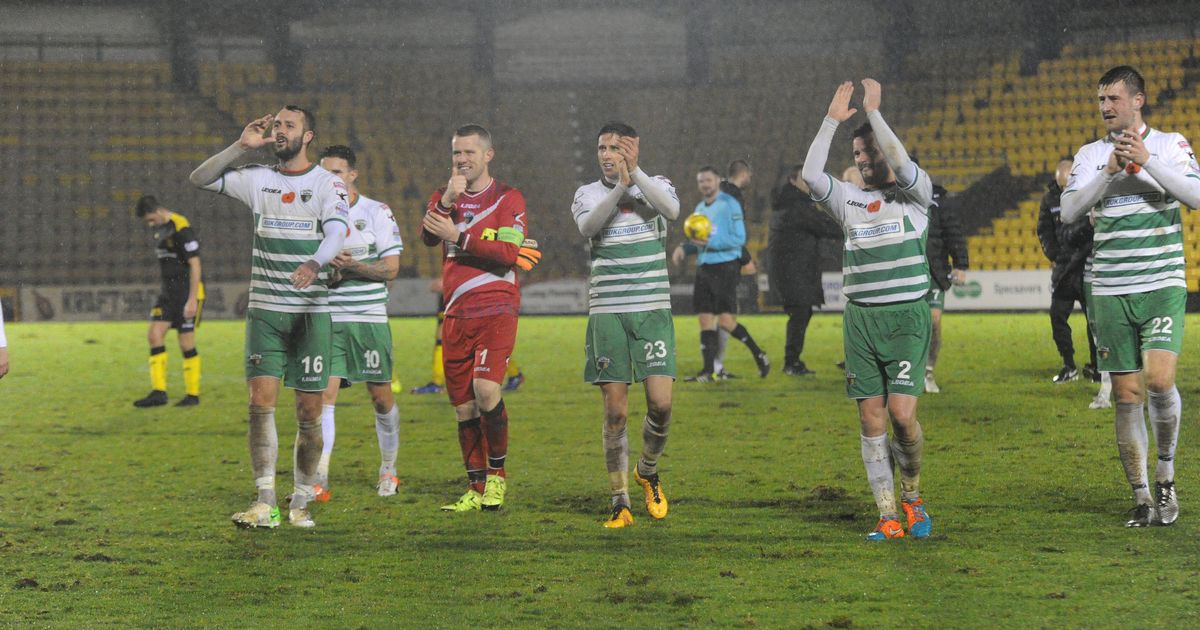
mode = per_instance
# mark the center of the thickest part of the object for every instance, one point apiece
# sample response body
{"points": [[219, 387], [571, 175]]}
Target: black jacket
{"points": [[797, 226], [734, 191], [945, 247], [1067, 246]]}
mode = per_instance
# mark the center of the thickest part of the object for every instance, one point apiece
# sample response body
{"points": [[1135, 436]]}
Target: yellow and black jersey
{"points": [[175, 243]]}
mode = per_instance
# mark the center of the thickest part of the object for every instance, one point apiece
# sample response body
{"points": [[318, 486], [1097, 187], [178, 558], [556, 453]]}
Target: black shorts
{"points": [[716, 288], [169, 308]]}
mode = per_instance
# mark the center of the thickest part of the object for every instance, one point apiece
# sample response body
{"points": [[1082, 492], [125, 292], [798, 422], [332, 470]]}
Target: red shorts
{"points": [[476, 347]]}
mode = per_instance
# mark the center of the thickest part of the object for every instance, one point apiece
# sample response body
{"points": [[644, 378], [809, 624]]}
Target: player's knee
{"points": [[615, 418], [903, 421], [487, 393], [308, 411], [1127, 389], [1159, 383], [905, 430], [659, 411], [904, 417], [383, 403]]}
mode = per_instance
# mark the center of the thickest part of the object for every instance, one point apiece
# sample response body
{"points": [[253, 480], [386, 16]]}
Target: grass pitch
{"points": [[112, 516]]}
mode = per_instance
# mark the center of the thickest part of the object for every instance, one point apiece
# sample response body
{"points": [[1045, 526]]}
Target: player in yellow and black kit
{"points": [[178, 306]]}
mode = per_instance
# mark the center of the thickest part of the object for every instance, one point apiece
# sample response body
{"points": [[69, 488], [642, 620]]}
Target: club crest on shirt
{"points": [[468, 216], [306, 194], [361, 224]]}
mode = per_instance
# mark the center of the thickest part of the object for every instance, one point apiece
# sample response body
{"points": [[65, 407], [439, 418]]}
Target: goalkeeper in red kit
{"points": [[480, 224]]}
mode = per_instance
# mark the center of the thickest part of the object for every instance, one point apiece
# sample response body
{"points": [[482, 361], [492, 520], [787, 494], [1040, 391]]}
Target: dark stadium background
{"points": [[104, 102]]}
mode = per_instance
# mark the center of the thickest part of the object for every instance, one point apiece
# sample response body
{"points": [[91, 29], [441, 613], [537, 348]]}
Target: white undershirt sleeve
{"points": [[1078, 198], [1182, 187], [212, 168], [905, 169], [660, 195], [819, 184], [331, 245], [591, 215]]}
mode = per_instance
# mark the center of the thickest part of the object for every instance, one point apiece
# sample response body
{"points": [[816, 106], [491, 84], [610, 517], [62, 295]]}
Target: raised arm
{"points": [[659, 192], [253, 137], [908, 174], [893, 150], [819, 182], [1085, 187], [593, 213], [1177, 172], [822, 185]]}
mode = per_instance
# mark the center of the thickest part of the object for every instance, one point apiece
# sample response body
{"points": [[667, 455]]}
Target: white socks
{"points": [[877, 458], [616, 459], [907, 454], [264, 450], [328, 429], [722, 342], [1132, 443], [387, 429], [1165, 410]]}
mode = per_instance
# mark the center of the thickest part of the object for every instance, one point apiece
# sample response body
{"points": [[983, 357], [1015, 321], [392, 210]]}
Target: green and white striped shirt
{"points": [[883, 256], [628, 254], [1138, 244], [373, 236], [292, 211]]}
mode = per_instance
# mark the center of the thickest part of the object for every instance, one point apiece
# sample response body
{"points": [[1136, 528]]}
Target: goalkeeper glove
{"points": [[528, 255]]}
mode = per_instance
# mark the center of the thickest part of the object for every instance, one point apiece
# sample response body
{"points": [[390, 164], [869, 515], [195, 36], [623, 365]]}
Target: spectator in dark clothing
{"points": [[797, 226], [737, 180], [1067, 247], [946, 249]]}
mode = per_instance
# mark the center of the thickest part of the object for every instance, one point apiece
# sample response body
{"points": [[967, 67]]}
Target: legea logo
{"points": [[971, 289]]}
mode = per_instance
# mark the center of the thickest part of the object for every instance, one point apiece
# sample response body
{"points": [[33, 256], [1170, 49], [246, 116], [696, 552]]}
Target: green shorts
{"points": [[936, 298], [886, 348], [628, 347], [1128, 325], [362, 353], [294, 347]]}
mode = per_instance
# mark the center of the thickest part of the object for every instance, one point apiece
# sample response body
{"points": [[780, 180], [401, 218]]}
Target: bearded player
{"points": [[885, 277], [480, 224], [301, 220]]}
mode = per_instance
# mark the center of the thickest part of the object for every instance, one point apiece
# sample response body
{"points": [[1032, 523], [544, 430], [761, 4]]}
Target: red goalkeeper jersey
{"points": [[478, 275]]}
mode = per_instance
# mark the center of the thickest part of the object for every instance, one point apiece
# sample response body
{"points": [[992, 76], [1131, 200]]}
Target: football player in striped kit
{"points": [[630, 332], [1133, 180], [885, 277], [362, 338], [301, 218]]}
